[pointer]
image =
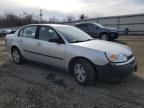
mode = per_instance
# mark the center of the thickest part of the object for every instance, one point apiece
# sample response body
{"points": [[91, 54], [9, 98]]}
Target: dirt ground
{"points": [[34, 85]]}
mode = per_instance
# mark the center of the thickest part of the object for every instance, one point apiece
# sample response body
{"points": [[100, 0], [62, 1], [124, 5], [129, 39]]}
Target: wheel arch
{"points": [[80, 57], [108, 34], [14, 46]]}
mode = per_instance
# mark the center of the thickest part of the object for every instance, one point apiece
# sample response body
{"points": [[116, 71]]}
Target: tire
{"points": [[104, 36], [17, 56], [84, 72]]}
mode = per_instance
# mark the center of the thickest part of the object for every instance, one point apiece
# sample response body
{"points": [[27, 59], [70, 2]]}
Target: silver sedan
{"points": [[70, 48]]}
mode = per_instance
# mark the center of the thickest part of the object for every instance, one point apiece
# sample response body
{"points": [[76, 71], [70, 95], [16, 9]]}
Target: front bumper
{"points": [[113, 72]]}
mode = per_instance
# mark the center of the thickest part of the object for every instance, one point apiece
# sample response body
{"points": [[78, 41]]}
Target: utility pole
{"points": [[41, 16]]}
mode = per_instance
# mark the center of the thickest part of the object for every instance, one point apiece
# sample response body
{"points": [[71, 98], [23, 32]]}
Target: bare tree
{"points": [[53, 20], [83, 17], [12, 20], [70, 18]]}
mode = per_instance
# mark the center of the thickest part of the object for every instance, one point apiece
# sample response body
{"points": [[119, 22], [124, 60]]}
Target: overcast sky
{"points": [[62, 8]]}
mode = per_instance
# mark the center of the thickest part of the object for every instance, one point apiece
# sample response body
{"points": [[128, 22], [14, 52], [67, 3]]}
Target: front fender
{"points": [[96, 57]]}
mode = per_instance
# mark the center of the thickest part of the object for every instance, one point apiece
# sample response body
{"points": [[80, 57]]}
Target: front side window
{"points": [[53, 34], [45, 33], [30, 32], [90, 25]]}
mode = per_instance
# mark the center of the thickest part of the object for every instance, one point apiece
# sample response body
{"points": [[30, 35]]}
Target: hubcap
{"points": [[79, 72], [16, 55], [104, 37]]}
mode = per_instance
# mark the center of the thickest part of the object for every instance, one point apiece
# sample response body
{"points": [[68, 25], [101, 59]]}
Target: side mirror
{"points": [[56, 40]]}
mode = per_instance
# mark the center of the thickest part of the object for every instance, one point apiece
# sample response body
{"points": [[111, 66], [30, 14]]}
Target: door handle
{"points": [[38, 44]]}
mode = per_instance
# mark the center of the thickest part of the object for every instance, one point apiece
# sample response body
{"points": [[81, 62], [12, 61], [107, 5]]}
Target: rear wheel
{"points": [[16, 55], [104, 36], [84, 72]]}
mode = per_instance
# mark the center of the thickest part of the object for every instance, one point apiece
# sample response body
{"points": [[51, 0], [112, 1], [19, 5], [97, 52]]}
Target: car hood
{"points": [[106, 46], [112, 29]]}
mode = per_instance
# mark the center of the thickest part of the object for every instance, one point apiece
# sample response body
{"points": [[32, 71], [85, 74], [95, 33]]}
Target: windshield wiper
{"points": [[76, 41], [89, 39]]}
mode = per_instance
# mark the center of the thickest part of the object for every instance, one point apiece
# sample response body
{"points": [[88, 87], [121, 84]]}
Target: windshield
{"points": [[73, 34]]}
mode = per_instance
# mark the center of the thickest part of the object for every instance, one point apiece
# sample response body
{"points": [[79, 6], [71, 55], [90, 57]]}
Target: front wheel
{"points": [[84, 72], [104, 36], [16, 55]]}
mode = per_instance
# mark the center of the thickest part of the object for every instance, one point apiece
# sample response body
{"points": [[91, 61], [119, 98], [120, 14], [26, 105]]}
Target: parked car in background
{"points": [[4, 32], [98, 31], [72, 49]]}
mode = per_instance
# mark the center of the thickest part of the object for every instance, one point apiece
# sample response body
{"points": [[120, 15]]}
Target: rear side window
{"points": [[80, 25], [90, 25], [30, 32], [85, 25]]}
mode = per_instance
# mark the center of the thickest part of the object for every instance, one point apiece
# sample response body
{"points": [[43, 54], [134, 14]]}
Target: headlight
{"points": [[116, 57]]}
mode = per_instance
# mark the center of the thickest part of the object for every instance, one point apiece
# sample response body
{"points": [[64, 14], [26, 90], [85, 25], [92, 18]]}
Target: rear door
{"points": [[27, 42]]}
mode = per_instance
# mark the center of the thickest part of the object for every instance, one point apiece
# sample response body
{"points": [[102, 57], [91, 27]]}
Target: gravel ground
{"points": [[34, 85]]}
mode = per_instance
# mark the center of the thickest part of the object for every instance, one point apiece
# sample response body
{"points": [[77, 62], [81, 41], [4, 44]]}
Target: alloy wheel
{"points": [[104, 37], [16, 56], [80, 72]]}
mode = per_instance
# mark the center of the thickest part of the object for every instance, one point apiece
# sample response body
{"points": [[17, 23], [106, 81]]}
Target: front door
{"points": [[50, 52], [93, 30]]}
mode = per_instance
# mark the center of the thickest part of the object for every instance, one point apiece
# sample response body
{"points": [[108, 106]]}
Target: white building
{"points": [[135, 23]]}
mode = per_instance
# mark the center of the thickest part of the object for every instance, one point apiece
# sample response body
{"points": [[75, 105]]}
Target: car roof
{"points": [[86, 23], [52, 25]]}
